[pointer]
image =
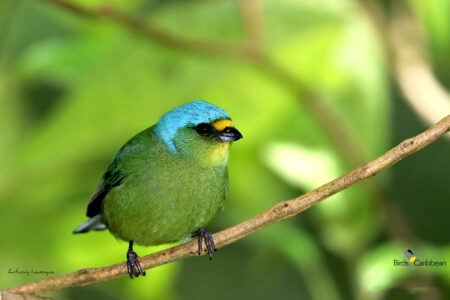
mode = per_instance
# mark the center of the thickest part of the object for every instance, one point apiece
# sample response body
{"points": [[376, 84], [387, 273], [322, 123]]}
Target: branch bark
{"points": [[277, 213], [13, 296]]}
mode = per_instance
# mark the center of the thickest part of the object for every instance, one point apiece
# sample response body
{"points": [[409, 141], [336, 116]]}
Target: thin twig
{"points": [[403, 42], [279, 212]]}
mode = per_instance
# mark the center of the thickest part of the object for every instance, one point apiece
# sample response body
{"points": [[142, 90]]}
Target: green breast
{"points": [[165, 197]]}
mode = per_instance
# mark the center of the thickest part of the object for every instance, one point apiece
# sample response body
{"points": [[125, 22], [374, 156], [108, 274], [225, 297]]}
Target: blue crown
{"points": [[189, 114]]}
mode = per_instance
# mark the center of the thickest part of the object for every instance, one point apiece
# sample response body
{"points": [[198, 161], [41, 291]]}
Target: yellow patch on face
{"points": [[218, 155], [222, 124]]}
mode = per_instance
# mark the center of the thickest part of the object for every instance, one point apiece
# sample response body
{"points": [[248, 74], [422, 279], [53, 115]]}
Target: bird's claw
{"points": [[133, 265], [203, 233]]}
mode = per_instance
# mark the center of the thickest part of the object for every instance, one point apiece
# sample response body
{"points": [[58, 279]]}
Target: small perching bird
{"points": [[167, 182]]}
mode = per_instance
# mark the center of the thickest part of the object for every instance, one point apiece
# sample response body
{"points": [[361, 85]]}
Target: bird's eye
{"points": [[203, 129]]}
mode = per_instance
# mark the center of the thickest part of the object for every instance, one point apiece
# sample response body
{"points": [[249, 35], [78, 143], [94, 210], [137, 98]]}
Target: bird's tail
{"points": [[93, 223]]}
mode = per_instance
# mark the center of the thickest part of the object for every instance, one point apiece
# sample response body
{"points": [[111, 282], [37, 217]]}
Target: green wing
{"points": [[112, 178], [125, 162]]}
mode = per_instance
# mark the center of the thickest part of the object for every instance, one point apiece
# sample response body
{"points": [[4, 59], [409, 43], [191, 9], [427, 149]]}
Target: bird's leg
{"points": [[203, 233], [134, 267]]}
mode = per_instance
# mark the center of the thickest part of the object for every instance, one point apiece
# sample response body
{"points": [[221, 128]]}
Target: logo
{"points": [[411, 257], [413, 260]]}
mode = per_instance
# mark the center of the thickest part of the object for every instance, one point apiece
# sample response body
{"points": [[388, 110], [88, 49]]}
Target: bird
{"points": [[167, 183], [410, 256]]}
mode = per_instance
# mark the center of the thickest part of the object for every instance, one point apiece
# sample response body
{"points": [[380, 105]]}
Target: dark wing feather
{"points": [[112, 178], [120, 168]]}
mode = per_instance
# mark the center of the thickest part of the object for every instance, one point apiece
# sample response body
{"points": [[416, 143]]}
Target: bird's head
{"points": [[199, 130]]}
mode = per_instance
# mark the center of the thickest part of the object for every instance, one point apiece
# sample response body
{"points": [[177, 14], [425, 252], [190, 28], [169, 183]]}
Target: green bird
{"points": [[166, 183]]}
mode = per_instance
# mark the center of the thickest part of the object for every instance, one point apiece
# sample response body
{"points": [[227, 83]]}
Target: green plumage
{"points": [[164, 196], [167, 182]]}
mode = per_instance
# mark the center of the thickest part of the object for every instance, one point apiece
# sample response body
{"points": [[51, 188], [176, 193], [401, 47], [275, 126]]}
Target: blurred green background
{"points": [[73, 90]]}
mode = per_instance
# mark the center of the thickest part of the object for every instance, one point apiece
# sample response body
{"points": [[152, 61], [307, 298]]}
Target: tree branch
{"points": [[13, 296], [279, 212]]}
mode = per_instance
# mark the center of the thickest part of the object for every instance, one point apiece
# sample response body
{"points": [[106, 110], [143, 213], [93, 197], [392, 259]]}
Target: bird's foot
{"points": [[133, 265], [203, 233]]}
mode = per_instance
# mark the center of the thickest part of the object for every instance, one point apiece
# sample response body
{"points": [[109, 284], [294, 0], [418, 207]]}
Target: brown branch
{"points": [[403, 41], [279, 212], [14, 296]]}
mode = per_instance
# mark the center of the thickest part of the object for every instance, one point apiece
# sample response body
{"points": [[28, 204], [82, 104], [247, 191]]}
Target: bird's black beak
{"points": [[229, 134]]}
